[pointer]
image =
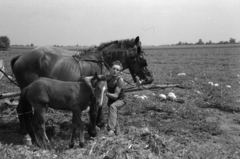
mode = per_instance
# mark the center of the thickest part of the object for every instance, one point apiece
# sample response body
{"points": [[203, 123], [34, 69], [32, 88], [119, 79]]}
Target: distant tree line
{"points": [[28, 45], [4, 42], [200, 42], [70, 45]]}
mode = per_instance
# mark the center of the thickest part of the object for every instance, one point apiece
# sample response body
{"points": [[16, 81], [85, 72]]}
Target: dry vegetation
{"points": [[206, 125]]}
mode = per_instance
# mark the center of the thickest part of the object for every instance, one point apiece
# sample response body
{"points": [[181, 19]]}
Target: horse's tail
{"points": [[13, 61]]}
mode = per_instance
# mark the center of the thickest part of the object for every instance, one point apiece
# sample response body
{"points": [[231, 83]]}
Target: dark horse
{"points": [[62, 95], [51, 63]]}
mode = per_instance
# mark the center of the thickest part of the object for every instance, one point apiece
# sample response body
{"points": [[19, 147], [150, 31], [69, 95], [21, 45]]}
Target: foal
{"points": [[74, 96]]}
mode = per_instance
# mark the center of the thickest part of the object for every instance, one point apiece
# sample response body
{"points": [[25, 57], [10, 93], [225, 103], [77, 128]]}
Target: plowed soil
{"points": [[206, 124]]}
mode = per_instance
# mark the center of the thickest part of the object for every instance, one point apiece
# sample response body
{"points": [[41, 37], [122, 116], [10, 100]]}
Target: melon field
{"points": [[205, 124]]}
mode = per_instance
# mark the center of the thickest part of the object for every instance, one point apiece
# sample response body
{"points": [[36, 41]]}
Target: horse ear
{"points": [[137, 40], [139, 50]]}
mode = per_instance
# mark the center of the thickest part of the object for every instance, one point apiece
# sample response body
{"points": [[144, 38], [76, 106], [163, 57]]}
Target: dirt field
{"points": [[205, 125]]}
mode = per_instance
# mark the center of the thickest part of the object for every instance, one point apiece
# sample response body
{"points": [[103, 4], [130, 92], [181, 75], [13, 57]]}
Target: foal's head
{"points": [[99, 83]]}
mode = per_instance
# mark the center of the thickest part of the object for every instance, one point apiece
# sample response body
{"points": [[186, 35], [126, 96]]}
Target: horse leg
{"points": [[99, 121], [74, 128], [28, 118], [35, 129], [93, 117], [78, 122], [24, 114], [38, 123], [81, 134]]}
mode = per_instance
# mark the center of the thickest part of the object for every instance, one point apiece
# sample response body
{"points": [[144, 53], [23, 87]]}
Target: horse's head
{"points": [[99, 83], [138, 66]]}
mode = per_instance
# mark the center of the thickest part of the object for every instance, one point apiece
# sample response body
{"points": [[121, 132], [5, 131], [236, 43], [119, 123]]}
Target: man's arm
{"points": [[120, 86]]}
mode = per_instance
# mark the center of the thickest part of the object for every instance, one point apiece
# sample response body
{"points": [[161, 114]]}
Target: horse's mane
{"points": [[107, 55], [127, 43], [106, 44], [124, 43], [114, 51]]}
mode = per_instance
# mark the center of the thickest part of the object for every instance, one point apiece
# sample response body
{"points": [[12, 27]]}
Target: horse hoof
{"points": [[71, 146], [48, 146], [27, 140], [92, 133], [81, 145]]}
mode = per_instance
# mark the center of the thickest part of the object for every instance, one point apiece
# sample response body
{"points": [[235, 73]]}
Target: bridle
{"points": [[141, 62]]}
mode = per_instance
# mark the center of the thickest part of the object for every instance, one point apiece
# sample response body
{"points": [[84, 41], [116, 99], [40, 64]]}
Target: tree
{"points": [[209, 43], [31, 44], [4, 42], [232, 41], [179, 43], [200, 42]]}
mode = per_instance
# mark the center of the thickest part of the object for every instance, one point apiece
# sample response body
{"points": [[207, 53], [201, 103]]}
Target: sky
{"points": [[91, 22]]}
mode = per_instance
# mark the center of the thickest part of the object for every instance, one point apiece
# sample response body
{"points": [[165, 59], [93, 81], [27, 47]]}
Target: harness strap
{"points": [[103, 63], [78, 58]]}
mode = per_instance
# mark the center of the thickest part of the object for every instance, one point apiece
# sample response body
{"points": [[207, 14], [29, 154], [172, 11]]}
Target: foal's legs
{"points": [[38, 124], [24, 111], [74, 128], [99, 121], [93, 118], [77, 122]]}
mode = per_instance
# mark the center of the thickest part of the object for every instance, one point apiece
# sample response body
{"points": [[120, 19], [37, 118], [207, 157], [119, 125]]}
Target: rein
{"points": [[8, 77]]}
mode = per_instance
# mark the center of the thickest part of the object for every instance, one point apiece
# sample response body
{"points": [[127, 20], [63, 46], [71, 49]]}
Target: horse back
{"points": [[48, 62], [58, 94]]}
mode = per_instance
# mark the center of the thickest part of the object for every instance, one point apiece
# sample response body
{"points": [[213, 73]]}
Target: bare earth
{"points": [[205, 125]]}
